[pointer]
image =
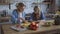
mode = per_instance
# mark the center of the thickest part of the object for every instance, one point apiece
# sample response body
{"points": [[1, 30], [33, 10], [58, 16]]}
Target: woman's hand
{"points": [[22, 20]]}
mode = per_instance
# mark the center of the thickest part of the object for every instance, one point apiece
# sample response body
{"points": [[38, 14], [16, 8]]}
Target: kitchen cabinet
{"points": [[50, 6], [4, 2], [4, 20]]}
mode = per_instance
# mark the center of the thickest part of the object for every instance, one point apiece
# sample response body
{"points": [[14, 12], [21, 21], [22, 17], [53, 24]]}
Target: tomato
{"points": [[33, 26]]}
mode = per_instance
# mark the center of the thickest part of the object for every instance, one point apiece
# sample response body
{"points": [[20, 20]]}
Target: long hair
{"points": [[39, 13]]}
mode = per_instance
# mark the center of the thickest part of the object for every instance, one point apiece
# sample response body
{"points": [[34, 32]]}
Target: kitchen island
{"points": [[55, 29]]}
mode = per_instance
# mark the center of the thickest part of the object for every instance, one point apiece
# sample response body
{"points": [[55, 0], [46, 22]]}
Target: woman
{"points": [[36, 15], [18, 15]]}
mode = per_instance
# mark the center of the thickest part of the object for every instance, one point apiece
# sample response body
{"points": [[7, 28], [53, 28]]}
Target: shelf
{"points": [[45, 2], [4, 3], [41, 3]]}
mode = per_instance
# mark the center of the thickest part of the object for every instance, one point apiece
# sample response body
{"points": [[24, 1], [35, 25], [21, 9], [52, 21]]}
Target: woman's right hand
{"points": [[21, 19]]}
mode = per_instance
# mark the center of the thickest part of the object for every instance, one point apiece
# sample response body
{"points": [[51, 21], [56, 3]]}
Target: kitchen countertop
{"points": [[6, 17], [7, 29]]}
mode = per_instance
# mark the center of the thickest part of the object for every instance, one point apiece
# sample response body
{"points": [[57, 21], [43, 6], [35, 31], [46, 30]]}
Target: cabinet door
{"points": [[4, 2]]}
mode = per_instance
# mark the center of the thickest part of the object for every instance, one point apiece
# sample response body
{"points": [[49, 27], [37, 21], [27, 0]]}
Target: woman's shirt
{"points": [[15, 16], [21, 16]]}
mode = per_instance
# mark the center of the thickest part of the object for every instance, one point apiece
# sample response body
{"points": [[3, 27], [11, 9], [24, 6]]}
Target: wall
{"points": [[4, 7], [28, 6], [57, 4]]}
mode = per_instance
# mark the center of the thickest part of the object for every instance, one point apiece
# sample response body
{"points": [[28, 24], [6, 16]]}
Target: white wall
{"points": [[28, 8]]}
